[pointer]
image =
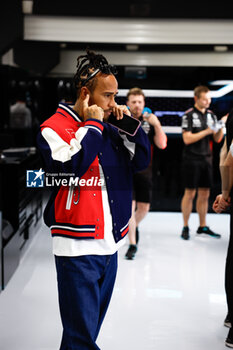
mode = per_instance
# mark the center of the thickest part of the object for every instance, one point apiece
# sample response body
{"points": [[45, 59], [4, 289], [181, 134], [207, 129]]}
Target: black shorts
{"points": [[142, 186], [197, 173]]}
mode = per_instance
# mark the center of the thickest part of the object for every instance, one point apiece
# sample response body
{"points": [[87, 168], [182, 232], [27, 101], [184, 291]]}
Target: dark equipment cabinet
{"points": [[21, 210]]}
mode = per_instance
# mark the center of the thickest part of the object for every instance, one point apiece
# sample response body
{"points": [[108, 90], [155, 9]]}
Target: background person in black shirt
{"points": [[198, 125]]}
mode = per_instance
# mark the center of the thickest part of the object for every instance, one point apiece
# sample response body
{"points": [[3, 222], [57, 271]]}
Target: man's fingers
{"points": [[115, 111], [118, 111], [120, 114], [85, 101], [216, 207]]}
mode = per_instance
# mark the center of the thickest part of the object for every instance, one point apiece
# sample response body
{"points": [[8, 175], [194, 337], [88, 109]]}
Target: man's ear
{"points": [[84, 92]]}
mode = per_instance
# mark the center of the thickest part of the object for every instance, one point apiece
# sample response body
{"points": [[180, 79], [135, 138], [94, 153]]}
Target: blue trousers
{"points": [[85, 286]]}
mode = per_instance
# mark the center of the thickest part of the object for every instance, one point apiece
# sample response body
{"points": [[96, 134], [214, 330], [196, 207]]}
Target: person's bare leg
{"points": [[202, 204], [141, 211], [187, 204], [202, 209], [132, 225]]}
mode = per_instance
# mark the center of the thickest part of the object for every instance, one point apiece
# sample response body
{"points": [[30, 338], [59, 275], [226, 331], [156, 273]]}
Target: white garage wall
{"points": [[128, 31], [134, 31], [214, 59]]}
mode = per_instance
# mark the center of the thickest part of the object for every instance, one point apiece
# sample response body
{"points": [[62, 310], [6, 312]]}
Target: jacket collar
{"points": [[67, 110]]}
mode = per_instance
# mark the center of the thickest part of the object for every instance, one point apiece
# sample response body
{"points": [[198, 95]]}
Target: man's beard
{"points": [[137, 112]]}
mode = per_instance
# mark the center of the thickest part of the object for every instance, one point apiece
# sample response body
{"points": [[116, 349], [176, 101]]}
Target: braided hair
{"points": [[87, 67]]}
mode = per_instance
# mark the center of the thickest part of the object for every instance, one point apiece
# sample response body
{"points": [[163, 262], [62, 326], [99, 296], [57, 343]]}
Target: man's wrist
{"points": [[157, 125], [225, 195]]}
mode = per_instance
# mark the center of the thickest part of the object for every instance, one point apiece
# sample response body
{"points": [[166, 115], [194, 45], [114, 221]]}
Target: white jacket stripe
{"points": [[93, 127], [122, 229], [129, 145], [92, 229], [61, 150]]}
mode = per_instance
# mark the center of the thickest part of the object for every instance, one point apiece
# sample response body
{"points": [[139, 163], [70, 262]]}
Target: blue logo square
{"points": [[35, 178]]}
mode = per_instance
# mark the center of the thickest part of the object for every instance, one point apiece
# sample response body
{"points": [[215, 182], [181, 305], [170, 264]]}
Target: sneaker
{"points": [[130, 254], [227, 322], [229, 340], [137, 235], [205, 231], [185, 233]]}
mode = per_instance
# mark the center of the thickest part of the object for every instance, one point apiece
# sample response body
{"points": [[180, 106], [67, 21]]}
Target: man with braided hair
{"points": [[89, 223]]}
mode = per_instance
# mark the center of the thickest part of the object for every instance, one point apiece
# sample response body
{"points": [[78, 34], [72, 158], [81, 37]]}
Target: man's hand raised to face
{"points": [[92, 111], [118, 111]]}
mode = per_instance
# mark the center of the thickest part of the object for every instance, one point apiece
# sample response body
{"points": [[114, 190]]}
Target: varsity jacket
{"points": [[89, 150]]}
